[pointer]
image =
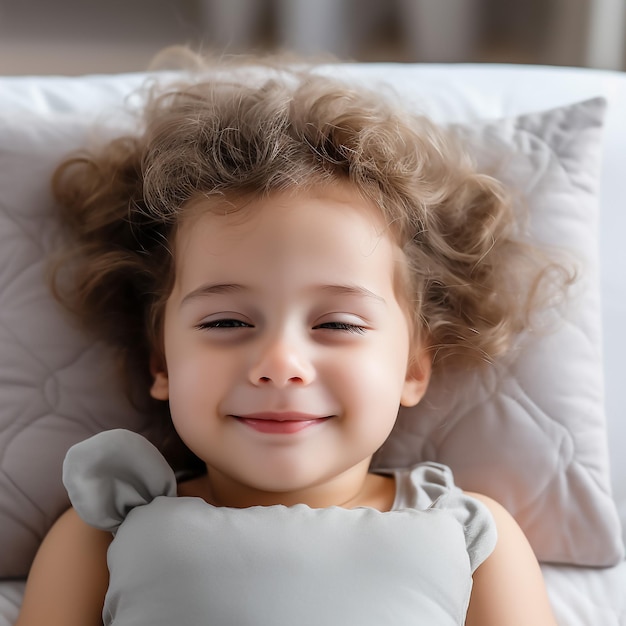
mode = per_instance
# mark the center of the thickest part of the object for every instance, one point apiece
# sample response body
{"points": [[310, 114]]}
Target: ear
{"points": [[417, 378], [160, 389]]}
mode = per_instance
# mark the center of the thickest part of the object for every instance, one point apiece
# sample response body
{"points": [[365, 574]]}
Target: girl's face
{"points": [[286, 349]]}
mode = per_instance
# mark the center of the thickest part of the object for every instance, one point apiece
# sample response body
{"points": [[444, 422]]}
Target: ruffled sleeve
{"points": [[111, 473], [478, 524], [431, 486]]}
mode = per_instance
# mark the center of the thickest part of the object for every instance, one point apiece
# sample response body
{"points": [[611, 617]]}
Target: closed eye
{"points": [[344, 326], [223, 323]]}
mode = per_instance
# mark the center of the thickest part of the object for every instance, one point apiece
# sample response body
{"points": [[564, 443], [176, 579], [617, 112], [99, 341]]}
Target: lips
{"points": [[280, 423]]}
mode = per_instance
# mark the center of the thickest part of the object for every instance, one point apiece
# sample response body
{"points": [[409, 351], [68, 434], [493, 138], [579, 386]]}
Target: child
{"points": [[281, 261]]}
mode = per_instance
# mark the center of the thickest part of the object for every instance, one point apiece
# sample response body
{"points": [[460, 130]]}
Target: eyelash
{"points": [[345, 326], [234, 323], [223, 323]]}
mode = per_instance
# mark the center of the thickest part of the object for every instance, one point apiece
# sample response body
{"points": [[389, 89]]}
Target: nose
{"points": [[282, 362]]}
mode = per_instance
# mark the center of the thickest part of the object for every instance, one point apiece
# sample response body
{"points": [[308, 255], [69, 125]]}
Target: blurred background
{"points": [[95, 36]]}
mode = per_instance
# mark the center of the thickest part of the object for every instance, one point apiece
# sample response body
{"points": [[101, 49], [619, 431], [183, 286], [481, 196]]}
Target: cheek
{"points": [[193, 406], [192, 382], [196, 375], [371, 396], [375, 377]]}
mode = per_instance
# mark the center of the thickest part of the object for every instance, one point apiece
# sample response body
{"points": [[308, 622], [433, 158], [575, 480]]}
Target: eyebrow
{"points": [[213, 289], [225, 288], [353, 290]]}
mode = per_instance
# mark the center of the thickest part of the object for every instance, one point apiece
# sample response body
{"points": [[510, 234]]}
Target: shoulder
{"points": [[71, 525], [69, 576], [511, 539], [503, 520], [509, 583], [493, 505], [71, 537], [512, 547], [72, 543]]}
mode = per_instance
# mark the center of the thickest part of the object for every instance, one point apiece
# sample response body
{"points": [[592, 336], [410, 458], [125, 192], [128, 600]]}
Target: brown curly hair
{"points": [[246, 132]]}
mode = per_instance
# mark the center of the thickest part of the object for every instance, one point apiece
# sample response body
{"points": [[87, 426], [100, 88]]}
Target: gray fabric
{"points": [[182, 561]]}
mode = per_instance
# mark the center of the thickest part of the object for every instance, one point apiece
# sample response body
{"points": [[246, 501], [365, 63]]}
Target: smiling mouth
{"points": [[280, 423]]}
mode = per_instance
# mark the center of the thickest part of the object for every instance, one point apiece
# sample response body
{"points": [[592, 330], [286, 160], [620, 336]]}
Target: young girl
{"points": [[282, 261]]}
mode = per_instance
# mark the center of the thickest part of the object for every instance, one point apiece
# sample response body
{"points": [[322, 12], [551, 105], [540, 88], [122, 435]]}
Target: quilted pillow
{"points": [[57, 386], [529, 432]]}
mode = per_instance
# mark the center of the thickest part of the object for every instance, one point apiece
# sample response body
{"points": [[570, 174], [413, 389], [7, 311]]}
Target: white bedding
{"points": [[581, 596], [11, 592]]}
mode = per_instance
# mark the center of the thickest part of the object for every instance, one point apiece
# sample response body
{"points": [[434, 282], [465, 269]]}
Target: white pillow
{"points": [[530, 433]]}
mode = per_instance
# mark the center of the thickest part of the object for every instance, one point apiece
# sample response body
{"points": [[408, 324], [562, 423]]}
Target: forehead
{"points": [[331, 221]]}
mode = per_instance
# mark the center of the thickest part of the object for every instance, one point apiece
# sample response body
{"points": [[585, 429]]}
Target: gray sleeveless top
{"points": [[178, 561]]}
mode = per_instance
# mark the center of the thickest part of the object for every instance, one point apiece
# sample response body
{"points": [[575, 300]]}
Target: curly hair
{"points": [[471, 282]]}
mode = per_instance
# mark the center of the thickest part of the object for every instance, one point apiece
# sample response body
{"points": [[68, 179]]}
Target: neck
{"points": [[351, 489]]}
